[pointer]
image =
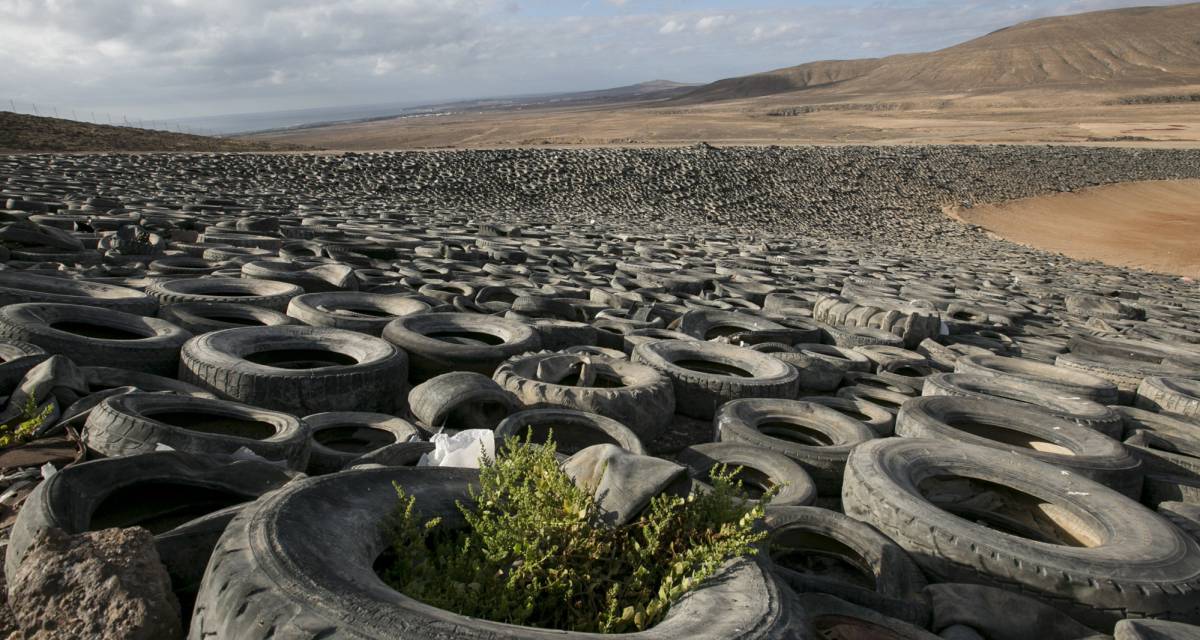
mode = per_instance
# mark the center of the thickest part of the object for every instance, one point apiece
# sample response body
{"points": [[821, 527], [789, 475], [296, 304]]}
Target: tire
{"points": [[258, 293], [816, 374], [887, 400], [184, 499], [710, 324], [850, 337], [431, 356], [461, 400], [844, 359], [572, 430], [318, 369], [1126, 375], [832, 617], [203, 317], [353, 311], [1155, 630], [135, 423], [635, 395], [823, 551], [1021, 429], [817, 437], [401, 454], [879, 420], [761, 469], [318, 279], [96, 336], [1065, 382], [341, 437], [1170, 395], [719, 373], [1169, 449], [1088, 413], [288, 564], [17, 287], [103, 378], [871, 381], [1184, 515], [1119, 560]]}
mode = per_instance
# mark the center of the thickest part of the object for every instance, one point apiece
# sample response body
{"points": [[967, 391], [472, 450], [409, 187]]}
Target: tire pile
{"points": [[970, 439]]}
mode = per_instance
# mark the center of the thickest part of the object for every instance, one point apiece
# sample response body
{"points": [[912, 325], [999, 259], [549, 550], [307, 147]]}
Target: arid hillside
{"points": [[22, 133], [1127, 76]]}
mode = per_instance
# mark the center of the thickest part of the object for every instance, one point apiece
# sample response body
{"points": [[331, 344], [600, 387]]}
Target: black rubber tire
{"points": [[17, 287], [572, 430], [77, 499], [635, 395], [907, 387], [1184, 515], [1088, 413], [1170, 395], [126, 424], [300, 562], [879, 420], [325, 278], [832, 617], [1135, 563], [341, 437], [1125, 374], [460, 400], [259, 293], [353, 311], [844, 359], [823, 551], [430, 356], [1155, 630], [1064, 381], [699, 393], [203, 317], [1169, 449], [401, 454], [850, 337], [356, 373], [711, 324], [118, 339], [816, 374], [761, 468], [817, 437], [887, 400], [1022, 429], [103, 378]]}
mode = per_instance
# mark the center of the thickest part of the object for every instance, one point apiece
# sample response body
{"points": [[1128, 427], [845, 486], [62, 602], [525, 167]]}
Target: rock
{"points": [[100, 584]]}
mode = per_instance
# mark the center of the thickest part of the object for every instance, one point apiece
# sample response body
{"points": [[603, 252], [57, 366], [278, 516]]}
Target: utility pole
{"points": [[14, 104], [35, 111]]}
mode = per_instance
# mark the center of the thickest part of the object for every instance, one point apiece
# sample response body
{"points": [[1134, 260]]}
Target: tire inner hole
{"points": [[215, 424], [714, 368], [468, 338], [1010, 511], [160, 506], [795, 432], [300, 358], [569, 438], [98, 331], [353, 438], [991, 430], [815, 554]]}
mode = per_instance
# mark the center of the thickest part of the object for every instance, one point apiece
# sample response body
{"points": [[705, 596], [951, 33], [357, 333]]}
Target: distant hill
{"points": [[1141, 46], [20, 132]]}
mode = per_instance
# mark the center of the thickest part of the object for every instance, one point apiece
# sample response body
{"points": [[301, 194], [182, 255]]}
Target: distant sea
{"points": [[246, 122]]}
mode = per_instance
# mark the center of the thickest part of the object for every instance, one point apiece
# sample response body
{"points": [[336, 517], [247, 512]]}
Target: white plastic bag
{"points": [[463, 449]]}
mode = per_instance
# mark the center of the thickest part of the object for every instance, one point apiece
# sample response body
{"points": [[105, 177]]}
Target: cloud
{"points": [[166, 58]]}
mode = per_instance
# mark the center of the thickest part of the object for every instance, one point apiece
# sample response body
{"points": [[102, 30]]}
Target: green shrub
{"points": [[22, 428], [535, 553]]}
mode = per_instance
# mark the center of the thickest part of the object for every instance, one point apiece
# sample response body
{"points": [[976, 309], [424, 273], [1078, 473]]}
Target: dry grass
{"points": [[25, 133]]}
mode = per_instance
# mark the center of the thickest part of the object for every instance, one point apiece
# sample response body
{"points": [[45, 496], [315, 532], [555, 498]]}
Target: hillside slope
{"points": [[22, 133], [1140, 46]]}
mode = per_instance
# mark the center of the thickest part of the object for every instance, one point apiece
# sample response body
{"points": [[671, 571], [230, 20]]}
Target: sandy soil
{"points": [[1147, 225], [1035, 116]]}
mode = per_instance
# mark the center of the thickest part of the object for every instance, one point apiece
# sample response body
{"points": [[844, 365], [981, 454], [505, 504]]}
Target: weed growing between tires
{"points": [[535, 553], [22, 428]]}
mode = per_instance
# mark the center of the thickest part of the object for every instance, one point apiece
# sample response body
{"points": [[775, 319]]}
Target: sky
{"points": [[184, 58]]}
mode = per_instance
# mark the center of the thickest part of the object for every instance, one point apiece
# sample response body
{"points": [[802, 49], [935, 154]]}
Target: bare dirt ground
{"points": [[1147, 225], [1013, 117]]}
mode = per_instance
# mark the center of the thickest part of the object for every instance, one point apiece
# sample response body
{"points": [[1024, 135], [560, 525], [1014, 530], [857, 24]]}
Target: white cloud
{"points": [[672, 26], [708, 24]]}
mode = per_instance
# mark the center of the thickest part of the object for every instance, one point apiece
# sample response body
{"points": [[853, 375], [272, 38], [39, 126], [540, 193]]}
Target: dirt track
{"points": [[1147, 225]]}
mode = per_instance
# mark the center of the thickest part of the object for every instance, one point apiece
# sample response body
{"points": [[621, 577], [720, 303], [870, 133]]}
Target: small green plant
{"points": [[21, 429], [535, 553]]}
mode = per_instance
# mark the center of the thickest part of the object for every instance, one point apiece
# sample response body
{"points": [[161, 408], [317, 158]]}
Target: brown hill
{"points": [[22, 133], [1140, 46]]}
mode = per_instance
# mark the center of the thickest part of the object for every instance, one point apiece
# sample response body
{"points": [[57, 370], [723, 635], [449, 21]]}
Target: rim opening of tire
{"points": [[160, 506], [215, 423], [722, 331], [992, 430], [794, 432], [891, 405], [467, 338], [301, 358], [603, 380], [835, 627], [875, 384], [815, 554], [714, 368], [227, 293], [853, 413], [909, 371], [475, 412], [238, 320], [755, 483], [569, 439], [97, 331], [364, 311], [353, 438], [1009, 510]]}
